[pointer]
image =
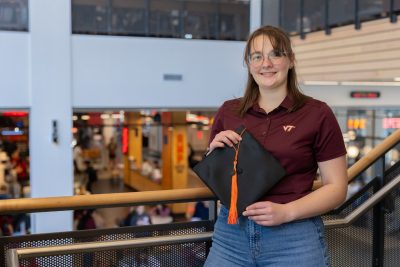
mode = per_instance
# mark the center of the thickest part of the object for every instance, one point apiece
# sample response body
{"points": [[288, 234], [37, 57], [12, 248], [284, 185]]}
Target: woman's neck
{"points": [[270, 100]]}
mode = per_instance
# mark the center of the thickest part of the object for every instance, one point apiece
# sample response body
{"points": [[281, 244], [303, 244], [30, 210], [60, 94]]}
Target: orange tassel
{"points": [[233, 216]]}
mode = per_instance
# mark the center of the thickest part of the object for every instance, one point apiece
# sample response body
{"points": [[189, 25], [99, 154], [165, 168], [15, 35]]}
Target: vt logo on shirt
{"points": [[288, 128]]}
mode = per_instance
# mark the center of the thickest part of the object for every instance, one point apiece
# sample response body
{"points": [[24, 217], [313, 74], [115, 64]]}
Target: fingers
{"points": [[229, 138], [259, 205], [268, 213]]}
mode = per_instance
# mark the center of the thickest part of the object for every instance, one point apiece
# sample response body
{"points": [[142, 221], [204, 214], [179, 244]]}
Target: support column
{"points": [[175, 154], [134, 144], [51, 109]]}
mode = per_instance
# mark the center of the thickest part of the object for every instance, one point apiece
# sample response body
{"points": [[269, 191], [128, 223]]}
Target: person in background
{"points": [[201, 211], [112, 151], [137, 216], [160, 210], [156, 174], [160, 214], [4, 194], [86, 220], [284, 226], [147, 168], [91, 174]]}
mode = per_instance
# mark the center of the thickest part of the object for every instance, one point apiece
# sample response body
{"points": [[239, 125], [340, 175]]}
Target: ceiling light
{"points": [[372, 83], [320, 83]]}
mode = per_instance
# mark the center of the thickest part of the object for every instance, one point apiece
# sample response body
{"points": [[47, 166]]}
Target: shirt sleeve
{"points": [[329, 143], [218, 124]]}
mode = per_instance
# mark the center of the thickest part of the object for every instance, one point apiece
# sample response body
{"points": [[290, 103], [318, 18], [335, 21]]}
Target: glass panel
{"points": [[192, 19], [386, 6], [200, 20], [14, 15], [290, 12], [129, 17], [270, 12], [90, 16], [314, 15], [234, 19], [341, 12], [166, 18], [371, 9]]}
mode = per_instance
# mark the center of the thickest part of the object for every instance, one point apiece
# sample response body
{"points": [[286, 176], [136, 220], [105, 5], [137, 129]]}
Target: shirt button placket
{"points": [[267, 124]]}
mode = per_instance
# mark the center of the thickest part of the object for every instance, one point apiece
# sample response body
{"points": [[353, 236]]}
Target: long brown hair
{"points": [[280, 41]]}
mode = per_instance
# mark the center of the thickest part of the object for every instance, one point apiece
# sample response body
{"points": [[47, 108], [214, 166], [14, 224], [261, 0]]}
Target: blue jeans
{"points": [[300, 243]]}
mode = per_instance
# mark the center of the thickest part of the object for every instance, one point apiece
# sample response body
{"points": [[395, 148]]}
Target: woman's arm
{"points": [[330, 195]]}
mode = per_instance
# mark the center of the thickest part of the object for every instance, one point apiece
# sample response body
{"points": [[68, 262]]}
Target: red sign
{"points": [[365, 94], [14, 113], [179, 148], [125, 140], [391, 123]]}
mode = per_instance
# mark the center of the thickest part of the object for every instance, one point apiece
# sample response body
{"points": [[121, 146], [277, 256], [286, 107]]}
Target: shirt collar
{"points": [[287, 103]]}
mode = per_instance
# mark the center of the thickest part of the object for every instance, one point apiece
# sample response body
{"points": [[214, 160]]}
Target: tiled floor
{"points": [[112, 216]]}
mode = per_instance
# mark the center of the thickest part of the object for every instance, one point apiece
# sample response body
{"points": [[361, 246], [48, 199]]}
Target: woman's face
{"points": [[268, 66]]}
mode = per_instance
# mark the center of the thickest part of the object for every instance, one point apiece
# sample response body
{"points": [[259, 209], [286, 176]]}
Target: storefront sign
{"points": [[354, 124], [125, 140], [365, 94], [391, 123], [179, 148]]}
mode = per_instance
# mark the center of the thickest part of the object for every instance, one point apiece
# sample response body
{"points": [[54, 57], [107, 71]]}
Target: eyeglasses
{"points": [[257, 58]]}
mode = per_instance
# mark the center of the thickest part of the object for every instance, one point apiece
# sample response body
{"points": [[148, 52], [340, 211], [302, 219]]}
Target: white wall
{"points": [[14, 66], [128, 72]]}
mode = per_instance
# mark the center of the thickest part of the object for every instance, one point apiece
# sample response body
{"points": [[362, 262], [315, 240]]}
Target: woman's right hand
{"points": [[228, 137]]}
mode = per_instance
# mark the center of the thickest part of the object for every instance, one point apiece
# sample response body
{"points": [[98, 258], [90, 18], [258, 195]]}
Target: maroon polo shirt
{"points": [[298, 140]]}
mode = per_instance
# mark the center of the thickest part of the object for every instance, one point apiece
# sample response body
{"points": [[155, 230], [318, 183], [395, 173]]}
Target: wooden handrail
{"points": [[148, 197], [103, 200], [373, 155], [370, 157]]}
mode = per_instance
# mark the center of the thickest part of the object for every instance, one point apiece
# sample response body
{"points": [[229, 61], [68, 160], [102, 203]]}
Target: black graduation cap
{"points": [[240, 175]]}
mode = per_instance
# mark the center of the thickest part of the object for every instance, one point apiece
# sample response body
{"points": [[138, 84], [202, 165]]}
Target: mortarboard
{"points": [[240, 175]]}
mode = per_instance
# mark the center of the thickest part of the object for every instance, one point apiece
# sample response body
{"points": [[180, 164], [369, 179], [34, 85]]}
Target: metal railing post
{"points": [[302, 34], [357, 21], [392, 15], [12, 258], [378, 232], [327, 27]]}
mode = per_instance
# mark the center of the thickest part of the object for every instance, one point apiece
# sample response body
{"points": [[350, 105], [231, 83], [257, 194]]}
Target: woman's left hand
{"points": [[268, 213]]}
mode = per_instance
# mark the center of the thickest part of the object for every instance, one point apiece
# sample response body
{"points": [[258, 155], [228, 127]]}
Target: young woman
{"points": [[283, 228]]}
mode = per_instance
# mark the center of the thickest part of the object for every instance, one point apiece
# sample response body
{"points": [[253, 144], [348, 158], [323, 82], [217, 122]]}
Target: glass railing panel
{"points": [[341, 12], [372, 9], [90, 16], [130, 17], [314, 15], [166, 18], [200, 19], [14, 15], [234, 19], [192, 19], [290, 16]]}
